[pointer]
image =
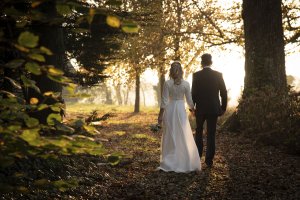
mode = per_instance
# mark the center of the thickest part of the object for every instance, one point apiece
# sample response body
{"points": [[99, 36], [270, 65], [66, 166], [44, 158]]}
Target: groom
{"points": [[207, 85]]}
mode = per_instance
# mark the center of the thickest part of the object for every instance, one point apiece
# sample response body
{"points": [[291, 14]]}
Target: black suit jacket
{"points": [[207, 86]]}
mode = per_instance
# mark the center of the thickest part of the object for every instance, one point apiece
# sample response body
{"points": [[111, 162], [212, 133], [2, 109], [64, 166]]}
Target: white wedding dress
{"points": [[179, 152]]}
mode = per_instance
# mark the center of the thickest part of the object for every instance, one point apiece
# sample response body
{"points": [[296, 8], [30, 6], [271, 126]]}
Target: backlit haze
{"points": [[231, 65], [229, 62]]}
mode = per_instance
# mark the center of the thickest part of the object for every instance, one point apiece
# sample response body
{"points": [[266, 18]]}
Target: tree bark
{"points": [[144, 97], [160, 85], [50, 36], [177, 36], [264, 45], [265, 84], [118, 94], [108, 95], [125, 95], [137, 92]]}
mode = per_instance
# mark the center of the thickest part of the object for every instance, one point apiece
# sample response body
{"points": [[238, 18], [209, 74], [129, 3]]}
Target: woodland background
{"points": [[71, 89]]}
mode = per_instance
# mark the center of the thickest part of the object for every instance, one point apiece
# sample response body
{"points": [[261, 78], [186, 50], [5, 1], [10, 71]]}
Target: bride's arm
{"points": [[188, 97]]}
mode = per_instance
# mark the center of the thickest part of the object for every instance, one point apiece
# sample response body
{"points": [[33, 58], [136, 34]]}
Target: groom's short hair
{"points": [[206, 59]]}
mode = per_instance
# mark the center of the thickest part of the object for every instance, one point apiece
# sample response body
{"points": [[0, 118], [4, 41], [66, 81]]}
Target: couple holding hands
{"points": [[180, 152]]}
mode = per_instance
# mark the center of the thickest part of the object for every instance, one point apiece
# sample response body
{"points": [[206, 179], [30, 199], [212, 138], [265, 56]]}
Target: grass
{"points": [[72, 107]]}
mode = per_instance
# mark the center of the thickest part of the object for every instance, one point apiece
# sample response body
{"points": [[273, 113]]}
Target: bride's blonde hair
{"points": [[176, 72]]}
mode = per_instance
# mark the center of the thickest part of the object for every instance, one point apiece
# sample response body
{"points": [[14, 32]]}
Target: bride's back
{"points": [[176, 92]]}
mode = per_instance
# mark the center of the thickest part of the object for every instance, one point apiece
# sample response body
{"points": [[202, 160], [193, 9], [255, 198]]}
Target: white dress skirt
{"points": [[179, 152]]}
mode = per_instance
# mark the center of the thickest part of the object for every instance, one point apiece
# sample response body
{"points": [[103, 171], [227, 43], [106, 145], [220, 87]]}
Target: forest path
{"points": [[242, 169]]}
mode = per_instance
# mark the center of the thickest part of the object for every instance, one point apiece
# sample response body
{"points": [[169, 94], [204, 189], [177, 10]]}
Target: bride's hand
{"points": [[192, 110]]}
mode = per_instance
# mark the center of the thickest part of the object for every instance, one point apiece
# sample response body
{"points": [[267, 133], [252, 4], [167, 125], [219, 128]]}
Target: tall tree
{"points": [[265, 84], [264, 45], [51, 36]]}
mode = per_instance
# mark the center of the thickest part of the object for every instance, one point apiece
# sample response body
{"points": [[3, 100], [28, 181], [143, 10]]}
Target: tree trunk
{"points": [[265, 86], [118, 94], [125, 95], [264, 45], [144, 97], [162, 81], [137, 92], [160, 85], [177, 36], [108, 95], [50, 36]]}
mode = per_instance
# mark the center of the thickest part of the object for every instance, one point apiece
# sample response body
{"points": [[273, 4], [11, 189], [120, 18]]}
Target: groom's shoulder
{"points": [[197, 72], [217, 72]]}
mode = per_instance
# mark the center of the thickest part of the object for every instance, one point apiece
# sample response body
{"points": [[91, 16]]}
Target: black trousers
{"points": [[211, 121]]}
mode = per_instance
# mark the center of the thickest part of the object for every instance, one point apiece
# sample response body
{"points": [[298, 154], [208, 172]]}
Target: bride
{"points": [[178, 149]]}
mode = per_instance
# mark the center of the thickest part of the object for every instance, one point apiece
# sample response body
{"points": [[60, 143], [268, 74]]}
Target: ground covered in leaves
{"points": [[242, 169]]}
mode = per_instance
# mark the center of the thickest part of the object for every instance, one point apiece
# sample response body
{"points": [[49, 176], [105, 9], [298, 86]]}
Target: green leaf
{"points": [[85, 139], [28, 39], [31, 136], [20, 174], [31, 122], [130, 29], [63, 9], [42, 106], [55, 72], [113, 159], [59, 79], [90, 129], [33, 67], [22, 189], [52, 117], [55, 108], [64, 128], [29, 83], [46, 51], [15, 63], [60, 142], [64, 185], [41, 182], [14, 127], [37, 57], [21, 48], [13, 82], [113, 21], [36, 3], [71, 88]]}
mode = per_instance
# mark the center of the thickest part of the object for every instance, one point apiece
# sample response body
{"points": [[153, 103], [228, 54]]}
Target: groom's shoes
{"points": [[209, 164]]}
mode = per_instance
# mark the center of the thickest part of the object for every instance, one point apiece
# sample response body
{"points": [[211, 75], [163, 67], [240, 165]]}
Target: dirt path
{"points": [[241, 170]]}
